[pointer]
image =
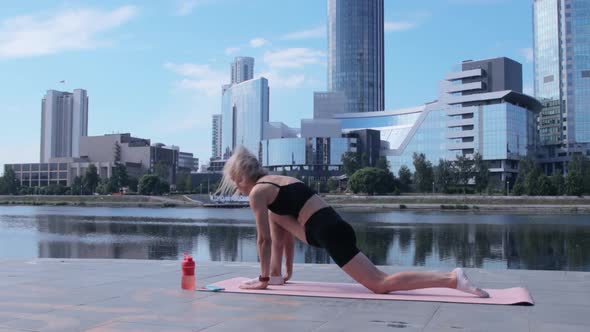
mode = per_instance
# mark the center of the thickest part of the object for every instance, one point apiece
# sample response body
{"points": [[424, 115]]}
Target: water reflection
{"points": [[516, 243]]}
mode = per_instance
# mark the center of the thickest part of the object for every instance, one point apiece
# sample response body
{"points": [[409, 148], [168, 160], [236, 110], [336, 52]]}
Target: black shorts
{"points": [[326, 229]]}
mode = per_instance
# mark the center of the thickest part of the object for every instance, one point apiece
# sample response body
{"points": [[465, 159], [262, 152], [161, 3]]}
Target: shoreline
{"points": [[467, 203]]}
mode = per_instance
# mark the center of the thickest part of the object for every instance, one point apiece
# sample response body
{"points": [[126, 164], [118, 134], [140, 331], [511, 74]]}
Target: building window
{"points": [[585, 73]]}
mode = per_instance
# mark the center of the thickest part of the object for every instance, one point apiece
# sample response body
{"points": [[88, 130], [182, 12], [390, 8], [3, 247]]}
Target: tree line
{"points": [[90, 182], [464, 175]]}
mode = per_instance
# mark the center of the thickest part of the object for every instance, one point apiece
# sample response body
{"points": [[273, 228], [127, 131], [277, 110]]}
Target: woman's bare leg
{"points": [[361, 269]]}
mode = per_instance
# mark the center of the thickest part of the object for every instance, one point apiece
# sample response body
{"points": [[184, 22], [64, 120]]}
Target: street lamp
{"points": [[433, 187], [507, 187]]}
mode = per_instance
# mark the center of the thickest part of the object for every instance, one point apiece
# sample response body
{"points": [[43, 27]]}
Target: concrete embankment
{"points": [[540, 204]]}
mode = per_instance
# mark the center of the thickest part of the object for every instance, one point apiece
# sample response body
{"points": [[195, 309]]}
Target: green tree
{"points": [[545, 187], [528, 178], [181, 181], [350, 163], [423, 177], [162, 170], [77, 186], [518, 188], [404, 178], [119, 178], [150, 184], [558, 182], [107, 186], [372, 181], [91, 178], [463, 171], [132, 183], [443, 175], [9, 184], [382, 163], [574, 181], [332, 184], [481, 172]]}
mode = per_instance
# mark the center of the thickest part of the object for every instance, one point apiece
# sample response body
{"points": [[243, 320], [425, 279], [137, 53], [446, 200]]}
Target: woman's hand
{"points": [[254, 284]]}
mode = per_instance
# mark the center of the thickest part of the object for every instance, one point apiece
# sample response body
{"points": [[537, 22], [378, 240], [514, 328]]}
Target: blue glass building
{"points": [[314, 154], [244, 109], [561, 30], [355, 53], [477, 111]]}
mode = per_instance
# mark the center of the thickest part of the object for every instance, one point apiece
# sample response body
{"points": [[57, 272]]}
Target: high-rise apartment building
{"points": [[242, 69], [355, 53], [216, 137], [561, 32], [64, 120]]}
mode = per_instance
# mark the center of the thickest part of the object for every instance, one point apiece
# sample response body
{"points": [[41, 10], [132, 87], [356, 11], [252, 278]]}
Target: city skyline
{"points": [[170, 90]]}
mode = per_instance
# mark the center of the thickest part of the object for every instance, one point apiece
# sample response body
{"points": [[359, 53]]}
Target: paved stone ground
{"points": [[135, 295]]}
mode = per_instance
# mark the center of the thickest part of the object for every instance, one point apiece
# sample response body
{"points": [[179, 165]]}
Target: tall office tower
{"points": [[355, 53], [244, 110], [216, 137], [64, 119], [242, 69], [561, 31]]}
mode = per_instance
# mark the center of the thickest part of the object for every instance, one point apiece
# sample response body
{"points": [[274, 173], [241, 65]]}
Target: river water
{"points": [[437, 239]]}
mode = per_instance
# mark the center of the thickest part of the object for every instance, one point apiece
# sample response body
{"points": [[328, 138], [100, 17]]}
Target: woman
{"points": [[283, 205]]}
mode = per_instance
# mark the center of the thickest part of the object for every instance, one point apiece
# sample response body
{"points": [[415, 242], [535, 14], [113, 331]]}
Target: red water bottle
{"points": [[188, 273]]}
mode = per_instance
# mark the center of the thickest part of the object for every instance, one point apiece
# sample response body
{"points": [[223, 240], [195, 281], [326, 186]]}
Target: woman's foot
{"points": [[464, 285]]}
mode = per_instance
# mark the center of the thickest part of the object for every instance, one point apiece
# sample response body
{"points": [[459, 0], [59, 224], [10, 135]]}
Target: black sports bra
{"points": [[290, 199]]}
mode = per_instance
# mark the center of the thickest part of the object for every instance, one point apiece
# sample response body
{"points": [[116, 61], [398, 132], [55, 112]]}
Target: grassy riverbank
{"points": [[561, 204], [546, 204], [101, 200]]}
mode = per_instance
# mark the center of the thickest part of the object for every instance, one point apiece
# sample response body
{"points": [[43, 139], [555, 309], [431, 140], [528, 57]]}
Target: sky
{"points": [[155, 68]]}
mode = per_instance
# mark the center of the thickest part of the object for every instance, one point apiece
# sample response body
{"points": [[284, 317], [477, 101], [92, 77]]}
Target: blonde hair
{"points": [[241, 163]]}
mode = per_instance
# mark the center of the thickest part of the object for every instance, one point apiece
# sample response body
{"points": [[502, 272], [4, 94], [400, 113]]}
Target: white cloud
{"points": [[185, 7], [398, 25], [411, 21], [278, 80], [527, 53], [231, 50], [292, 57], [201, 78], [258, 42], [317, 32], [74, 29]]}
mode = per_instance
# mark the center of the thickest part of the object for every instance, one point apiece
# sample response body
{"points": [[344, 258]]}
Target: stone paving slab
{"points": [[138, 295]]}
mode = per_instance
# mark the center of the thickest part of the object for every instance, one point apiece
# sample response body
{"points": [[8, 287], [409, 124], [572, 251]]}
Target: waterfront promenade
{"points": [[140, 295]]}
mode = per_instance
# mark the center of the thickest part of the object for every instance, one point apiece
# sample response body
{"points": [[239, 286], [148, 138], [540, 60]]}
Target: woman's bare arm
{"points": [[263, 241]]}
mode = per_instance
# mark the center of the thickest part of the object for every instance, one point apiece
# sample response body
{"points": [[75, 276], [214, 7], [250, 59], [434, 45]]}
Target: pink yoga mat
{"points": [[517, 295]]}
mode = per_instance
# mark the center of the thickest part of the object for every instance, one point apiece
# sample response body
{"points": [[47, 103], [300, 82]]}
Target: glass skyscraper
{"points": [[355, 53], [244, 110], [561, 30]]}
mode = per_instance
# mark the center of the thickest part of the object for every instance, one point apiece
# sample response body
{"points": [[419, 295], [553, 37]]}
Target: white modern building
{"points": [[64, 120], [242, 69], [216, 136]]}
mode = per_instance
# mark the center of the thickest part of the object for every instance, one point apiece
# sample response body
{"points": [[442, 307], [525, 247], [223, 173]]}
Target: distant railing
{"points": [[228, 199]]}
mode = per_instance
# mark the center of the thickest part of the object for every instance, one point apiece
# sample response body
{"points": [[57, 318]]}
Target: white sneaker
{"points": [[276, 280]]}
